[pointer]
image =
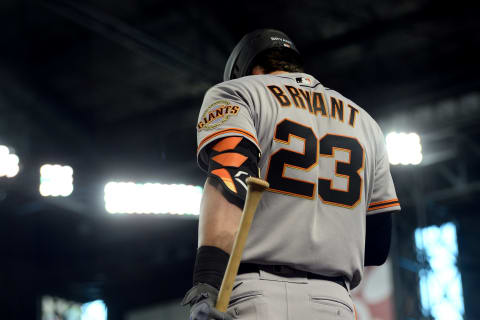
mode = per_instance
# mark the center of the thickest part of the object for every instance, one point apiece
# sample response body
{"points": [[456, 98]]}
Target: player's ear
{"points": [[258, 70]]}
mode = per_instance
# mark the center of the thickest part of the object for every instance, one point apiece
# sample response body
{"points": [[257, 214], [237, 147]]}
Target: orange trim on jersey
{"points": [[230, 159], [355, 311], [396, 204], [294, 194], [238, 131], [227, 144], [226, 178], [380, 202]]}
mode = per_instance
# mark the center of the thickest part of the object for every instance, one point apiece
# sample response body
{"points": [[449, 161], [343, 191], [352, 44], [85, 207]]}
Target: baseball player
{"points": [[327, 213]]}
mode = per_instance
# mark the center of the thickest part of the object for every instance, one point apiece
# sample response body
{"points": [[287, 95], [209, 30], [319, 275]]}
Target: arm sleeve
{"points": [[384, 197], [231, 161], [226, 111], [377, 239]]}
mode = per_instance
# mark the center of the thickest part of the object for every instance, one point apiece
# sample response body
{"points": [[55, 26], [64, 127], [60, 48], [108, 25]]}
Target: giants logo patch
{"points": [[216, 114]]}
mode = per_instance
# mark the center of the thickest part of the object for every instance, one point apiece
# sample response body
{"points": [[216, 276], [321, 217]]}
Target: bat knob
{"points": [[257, 183]]}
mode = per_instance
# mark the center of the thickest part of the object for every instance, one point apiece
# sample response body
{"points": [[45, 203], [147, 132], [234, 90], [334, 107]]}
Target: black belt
{"points": [[286, 271]]}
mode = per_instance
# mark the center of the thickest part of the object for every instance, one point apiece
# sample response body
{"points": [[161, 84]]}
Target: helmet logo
{"points": [[286, 43]]}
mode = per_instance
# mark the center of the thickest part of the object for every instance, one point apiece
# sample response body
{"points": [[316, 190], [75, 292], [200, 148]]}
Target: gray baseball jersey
{"points": [[326, 162]]}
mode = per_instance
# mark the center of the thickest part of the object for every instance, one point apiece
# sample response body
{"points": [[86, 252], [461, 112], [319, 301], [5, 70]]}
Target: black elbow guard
{"points": [[231, 161]]}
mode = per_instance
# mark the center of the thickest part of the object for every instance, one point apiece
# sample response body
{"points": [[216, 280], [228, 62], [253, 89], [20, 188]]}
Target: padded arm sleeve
{"points": [[231, 161]]}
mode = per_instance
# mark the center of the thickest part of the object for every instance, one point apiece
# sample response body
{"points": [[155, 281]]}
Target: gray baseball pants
{"points": [[266, 296]]}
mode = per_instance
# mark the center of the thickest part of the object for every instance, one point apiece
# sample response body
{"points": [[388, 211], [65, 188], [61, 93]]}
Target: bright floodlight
{"points": [[56, 180], [404, 148], [95, 310], [8, 163], [130, 197]]}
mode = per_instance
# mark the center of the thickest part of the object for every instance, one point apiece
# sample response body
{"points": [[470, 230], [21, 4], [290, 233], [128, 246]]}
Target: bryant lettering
{"points": [[314, 103]]}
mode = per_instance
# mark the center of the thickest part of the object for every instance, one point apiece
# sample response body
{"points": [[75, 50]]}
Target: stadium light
{"points": [[59, 308], [8, 163], [404, 148], [95, 310], [56, 180], [130, 197]]}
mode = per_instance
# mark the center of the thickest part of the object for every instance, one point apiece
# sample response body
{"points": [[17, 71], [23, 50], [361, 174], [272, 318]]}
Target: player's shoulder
{"points": [[243, 84], [291, 78], [364, 113], [254, 81]]}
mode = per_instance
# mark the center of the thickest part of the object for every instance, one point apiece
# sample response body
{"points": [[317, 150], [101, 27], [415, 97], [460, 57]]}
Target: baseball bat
{"points": [[254, 193]]}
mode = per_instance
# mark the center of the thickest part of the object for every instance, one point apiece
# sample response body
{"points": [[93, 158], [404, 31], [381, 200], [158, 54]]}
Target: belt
{"points": [[286, 271]]}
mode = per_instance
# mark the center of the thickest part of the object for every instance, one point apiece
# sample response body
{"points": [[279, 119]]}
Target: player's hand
{"points": [[202, 299]]}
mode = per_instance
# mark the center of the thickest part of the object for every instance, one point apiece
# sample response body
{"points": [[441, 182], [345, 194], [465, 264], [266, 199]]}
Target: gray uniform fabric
{"points": [[334, 170], [261, 296]]}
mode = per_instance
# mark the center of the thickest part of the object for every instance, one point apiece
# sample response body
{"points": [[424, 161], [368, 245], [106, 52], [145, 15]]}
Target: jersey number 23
{"points": [[307, 159]]}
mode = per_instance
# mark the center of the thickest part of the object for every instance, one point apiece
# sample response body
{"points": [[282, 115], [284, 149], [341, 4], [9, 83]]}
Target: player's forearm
{"points": [[219, 219]]}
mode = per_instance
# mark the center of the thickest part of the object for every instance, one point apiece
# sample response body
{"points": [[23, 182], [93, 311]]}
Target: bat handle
{"points": [[255, 190]]}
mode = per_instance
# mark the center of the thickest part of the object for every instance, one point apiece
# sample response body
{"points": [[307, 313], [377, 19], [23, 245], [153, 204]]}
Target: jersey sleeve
{"points": [[226, 111], [384, 198]]}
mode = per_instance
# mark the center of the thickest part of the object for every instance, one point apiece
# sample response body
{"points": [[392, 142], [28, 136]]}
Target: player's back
{"points": [[318, 154], [326, 163]]}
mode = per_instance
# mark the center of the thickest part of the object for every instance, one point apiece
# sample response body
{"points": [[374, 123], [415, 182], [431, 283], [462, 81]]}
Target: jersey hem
{"points": [[385, 209], [382, 204]]}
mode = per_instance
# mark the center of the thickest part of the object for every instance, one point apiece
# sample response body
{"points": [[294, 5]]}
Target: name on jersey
{"points": [[314, 103], [216, 114]]}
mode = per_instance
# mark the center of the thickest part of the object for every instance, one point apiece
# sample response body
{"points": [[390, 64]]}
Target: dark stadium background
{"points": [[113, 89]]}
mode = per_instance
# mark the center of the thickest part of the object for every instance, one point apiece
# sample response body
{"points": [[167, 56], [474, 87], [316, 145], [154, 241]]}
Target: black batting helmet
{"points": [[251, 45]]}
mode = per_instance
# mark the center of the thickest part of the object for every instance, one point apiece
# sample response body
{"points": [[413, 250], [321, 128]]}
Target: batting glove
{"points": [[202, 299]]}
